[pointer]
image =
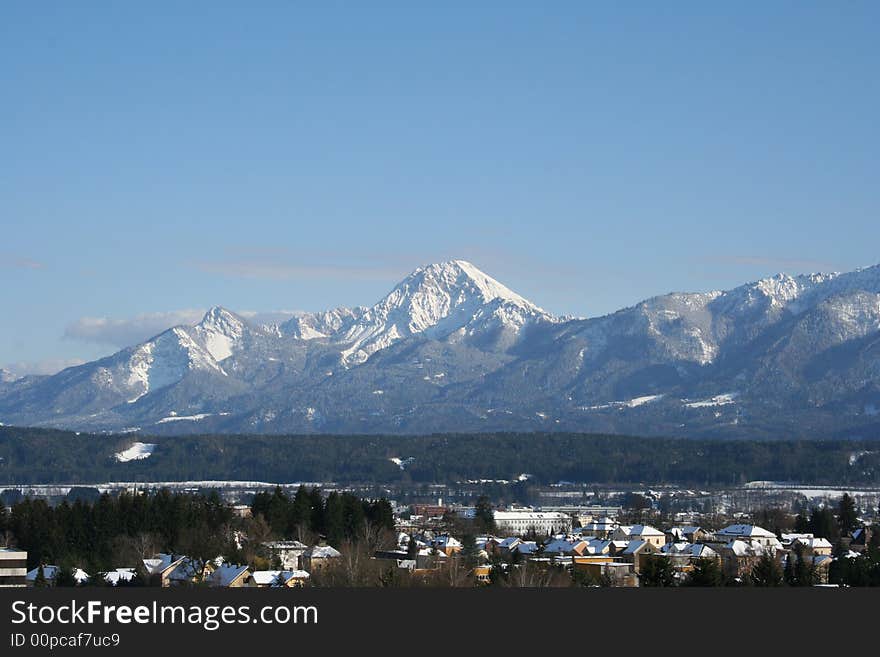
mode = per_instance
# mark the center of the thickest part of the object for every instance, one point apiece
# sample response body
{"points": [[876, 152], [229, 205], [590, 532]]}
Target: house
{"points": [[318, 556], [686, 533], [229, 576], [482, 574], [751, 534], [640, 533], [120, 576], [160, 567], [524, 521], [636, 551], [525, 548], [189, 571], [813, 546], [265, 579], [739, 557], [289, 553], [13, 567], [80, 577], [446, 544], [564, 547], [600, 528]]}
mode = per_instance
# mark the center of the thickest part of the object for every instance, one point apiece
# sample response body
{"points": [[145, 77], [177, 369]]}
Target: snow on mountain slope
{"points": [[162, 361], [451, 342], [6, 376], [436, 301], [312, 326], [220, 332]]}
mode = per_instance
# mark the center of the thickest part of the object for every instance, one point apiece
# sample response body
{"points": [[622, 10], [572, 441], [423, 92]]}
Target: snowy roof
{"points": [[644, 530], [597, 546], [633, 546], [285, 545], [526, 547], [49, 572], [445, 541], [530, 515], [322, 552], [815, 542], [751, 531], [509, 542], [226, 574], [119, 575], [560, 546], [277, 577], [161, 562]]}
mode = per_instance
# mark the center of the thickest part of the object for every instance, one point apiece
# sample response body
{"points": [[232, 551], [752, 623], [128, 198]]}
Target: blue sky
{"points": [[162, 158]]}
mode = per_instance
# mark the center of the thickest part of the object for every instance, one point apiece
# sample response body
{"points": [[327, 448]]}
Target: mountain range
{"points": [[451, 349]]}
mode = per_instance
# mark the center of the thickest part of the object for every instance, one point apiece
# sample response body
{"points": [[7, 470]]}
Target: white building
{"points": [[521, 521], [13, 567], [751, 534]]}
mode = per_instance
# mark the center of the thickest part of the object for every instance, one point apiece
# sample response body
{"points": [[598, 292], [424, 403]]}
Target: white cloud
{"points": [[10, 261], [130, 330], [48, 366]]}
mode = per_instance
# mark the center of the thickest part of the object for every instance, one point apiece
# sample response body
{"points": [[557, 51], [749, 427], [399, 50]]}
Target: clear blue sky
{"points": [[162, 158]]}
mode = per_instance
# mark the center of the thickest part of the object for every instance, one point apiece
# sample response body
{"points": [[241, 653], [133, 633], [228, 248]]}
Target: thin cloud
{"points": [[130, 330], [42, 367], [9, 261]]}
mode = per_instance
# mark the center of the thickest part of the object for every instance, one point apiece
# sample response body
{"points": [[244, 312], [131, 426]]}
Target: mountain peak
{"points": [[220, 331], [462, 278]]}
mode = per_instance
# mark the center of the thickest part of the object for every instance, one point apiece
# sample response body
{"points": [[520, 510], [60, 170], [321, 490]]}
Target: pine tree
{"points": [[847, 518], [767, 572], [469, 551], [657, 571], [484, 516], [706, 572], [64, 576]]}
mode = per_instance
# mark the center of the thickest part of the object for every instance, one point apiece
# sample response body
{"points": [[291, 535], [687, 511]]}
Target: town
{"points": [[332, 539]]}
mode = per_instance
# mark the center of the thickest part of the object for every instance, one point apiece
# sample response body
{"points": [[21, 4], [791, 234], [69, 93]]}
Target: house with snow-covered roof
{"points": [[265, 579], [229, 576], [446, 544], [289, 553], [318, 556], [80, 577], [813, 546], [751, 534], [636, 551], [645, 533], [160, 567]]}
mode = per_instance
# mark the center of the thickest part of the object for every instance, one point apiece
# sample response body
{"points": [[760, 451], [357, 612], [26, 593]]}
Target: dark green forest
{"points": [[119, 530], [29, 455]]}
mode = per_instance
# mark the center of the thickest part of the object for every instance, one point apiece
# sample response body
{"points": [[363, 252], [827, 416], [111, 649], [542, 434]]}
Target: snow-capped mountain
{"points": [[452, 349]]}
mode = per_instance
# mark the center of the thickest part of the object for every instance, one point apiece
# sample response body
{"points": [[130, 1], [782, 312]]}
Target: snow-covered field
{"points": [[136, 452]]}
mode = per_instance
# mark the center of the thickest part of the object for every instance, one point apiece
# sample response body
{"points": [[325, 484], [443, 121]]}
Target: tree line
{"points": [[32, 455]]}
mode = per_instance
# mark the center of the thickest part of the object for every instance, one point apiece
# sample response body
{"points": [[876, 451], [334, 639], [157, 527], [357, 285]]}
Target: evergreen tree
{"points": [[799, 568], [469, 552], [657, 570], [65, 576], [823, 524], [706, 572], [484, 516], [767, 572], [847, 518]]}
